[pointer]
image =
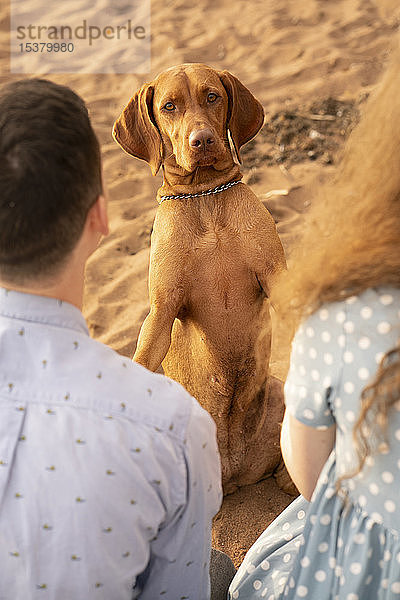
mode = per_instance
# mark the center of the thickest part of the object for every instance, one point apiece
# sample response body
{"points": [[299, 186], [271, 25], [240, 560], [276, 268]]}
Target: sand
{"points": [[293, 56]]}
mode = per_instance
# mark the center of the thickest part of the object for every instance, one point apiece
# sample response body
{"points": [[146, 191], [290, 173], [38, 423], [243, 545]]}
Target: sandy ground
{"points": [[311, 64]]}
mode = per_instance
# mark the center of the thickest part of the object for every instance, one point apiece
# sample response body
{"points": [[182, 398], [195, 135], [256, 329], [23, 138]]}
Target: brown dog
{"points": [[214, 256]]}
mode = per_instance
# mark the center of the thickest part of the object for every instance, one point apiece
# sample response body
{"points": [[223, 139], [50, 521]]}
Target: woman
{"points": [[341, 432]]}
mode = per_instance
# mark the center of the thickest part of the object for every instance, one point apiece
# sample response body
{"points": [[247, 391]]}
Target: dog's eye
{"points": [[169, 106], [211, 97]]}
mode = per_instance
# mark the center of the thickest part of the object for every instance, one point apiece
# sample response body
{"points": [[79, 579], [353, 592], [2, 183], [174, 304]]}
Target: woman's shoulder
{"points": [[374, 304]]}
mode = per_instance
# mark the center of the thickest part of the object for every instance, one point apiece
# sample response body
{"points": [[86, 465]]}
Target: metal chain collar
{"points": [[216, 190]]}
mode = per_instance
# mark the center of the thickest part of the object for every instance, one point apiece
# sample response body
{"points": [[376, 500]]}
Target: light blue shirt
{"points": [[109, 474]]}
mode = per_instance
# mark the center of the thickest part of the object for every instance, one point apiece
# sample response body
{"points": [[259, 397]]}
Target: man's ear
{"points": [[135, 129], [98, 216], [245, 113]]}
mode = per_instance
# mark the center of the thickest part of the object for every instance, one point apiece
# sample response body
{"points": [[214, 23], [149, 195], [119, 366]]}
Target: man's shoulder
{"points": [[127, 390], [64, 366]]}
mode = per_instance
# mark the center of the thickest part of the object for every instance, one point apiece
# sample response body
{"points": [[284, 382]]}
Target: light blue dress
{"points": [[326, 549]]}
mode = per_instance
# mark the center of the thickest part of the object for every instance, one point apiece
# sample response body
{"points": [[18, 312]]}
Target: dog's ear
{"points": [[135, 129], [245, 113]]}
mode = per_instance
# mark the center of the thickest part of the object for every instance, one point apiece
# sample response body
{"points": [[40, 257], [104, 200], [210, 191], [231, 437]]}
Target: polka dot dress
{"points": [[326, 549]]}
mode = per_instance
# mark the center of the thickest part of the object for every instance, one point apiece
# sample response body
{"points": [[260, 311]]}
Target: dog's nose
{"points": [[202, 138]]}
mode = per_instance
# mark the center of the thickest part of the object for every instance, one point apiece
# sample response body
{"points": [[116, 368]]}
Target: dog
{"points": [[215, 254]]}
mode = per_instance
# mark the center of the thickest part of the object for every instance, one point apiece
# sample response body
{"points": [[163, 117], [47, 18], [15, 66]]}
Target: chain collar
{"points": [[216, 190]]}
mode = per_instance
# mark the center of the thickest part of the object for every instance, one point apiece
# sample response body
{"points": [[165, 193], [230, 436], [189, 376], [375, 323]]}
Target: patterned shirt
{"points": [[109, 474]]}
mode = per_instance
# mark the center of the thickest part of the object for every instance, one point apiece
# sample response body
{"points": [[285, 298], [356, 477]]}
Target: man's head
{"points": [[50, 176]]}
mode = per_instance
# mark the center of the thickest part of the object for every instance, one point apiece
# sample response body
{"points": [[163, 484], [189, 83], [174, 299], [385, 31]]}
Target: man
{"points": [[109, 474]]}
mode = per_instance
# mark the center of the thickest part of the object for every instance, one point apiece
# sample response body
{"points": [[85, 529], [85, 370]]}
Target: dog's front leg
{"points": [[166, 300], [155, 334], [166, 288], [269, 260]]}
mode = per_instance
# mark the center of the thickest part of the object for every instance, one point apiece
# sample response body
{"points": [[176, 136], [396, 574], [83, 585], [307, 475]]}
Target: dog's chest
{"points": [[217, 246], [215, 233]]}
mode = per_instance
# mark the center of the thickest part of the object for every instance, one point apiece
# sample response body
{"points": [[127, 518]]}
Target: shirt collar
{"points": [[40, 309]]}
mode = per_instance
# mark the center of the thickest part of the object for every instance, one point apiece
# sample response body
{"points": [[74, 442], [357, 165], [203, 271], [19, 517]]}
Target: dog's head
{"points": [[182, 119]]}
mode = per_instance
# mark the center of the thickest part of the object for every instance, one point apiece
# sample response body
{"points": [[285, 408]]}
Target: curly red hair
{"points": [[351, 242]]}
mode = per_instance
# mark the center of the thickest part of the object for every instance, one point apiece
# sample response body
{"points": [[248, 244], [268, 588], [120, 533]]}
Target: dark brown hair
{"points": [[50, 175]]}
